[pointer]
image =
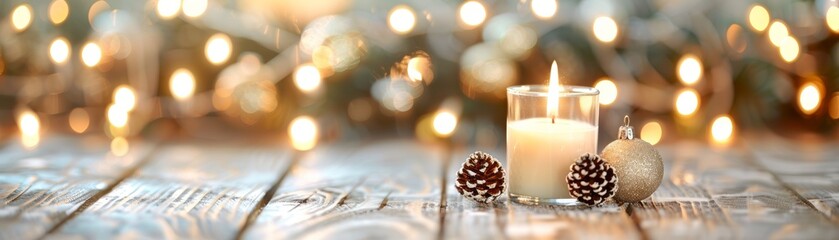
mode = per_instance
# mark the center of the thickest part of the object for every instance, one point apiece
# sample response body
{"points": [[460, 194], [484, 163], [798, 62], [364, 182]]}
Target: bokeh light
{"points": [[59, 50], [834, 106], [307, 78], [413, 72], [91, 54], [608, 91], [58, 11], [194, 8], [789, 49], [652, 132], [125, 98], [778, 31], [303, 132], [79, 120], [809, 98], [544, 9], [182, 84], [401, 19], [722, 129], [735, 38], [218, 48], [419, 69], [117, 116], [444, 123], [119, 146], [832, 18], [687, 102], [168, 9], [96, 8], [605, 29], [30, 128], [690, 69], [758, 18], [472, 13], [22, 17]]}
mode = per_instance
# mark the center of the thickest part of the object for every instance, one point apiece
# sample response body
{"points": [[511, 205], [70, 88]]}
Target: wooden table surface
{"points": [[73, 188]]}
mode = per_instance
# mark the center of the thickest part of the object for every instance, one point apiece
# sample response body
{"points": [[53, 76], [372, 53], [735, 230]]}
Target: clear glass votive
{"points": [[543, 142]]}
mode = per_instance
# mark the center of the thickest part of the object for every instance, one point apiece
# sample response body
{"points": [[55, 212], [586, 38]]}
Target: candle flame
{"points": [[553, 93]]}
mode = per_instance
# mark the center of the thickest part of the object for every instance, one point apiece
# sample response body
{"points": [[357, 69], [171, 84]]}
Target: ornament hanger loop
{"points": [[625, 132]]}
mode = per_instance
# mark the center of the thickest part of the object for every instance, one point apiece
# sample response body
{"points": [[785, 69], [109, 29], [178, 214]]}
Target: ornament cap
{"points": [[625, 132]]}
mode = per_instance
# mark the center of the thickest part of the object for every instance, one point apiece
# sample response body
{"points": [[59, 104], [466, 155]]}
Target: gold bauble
{"points": [[637, 164]]}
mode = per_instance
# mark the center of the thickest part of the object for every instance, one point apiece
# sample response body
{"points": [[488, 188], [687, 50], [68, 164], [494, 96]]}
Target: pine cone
{"points": [[592, 180], [481, 178]]}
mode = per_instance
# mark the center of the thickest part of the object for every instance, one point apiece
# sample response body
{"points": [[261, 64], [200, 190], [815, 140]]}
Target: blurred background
{"points": [[320, 71]]}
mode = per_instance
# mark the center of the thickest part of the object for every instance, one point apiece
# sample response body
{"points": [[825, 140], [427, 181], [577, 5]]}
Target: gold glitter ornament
{"points": [[637, 164]]}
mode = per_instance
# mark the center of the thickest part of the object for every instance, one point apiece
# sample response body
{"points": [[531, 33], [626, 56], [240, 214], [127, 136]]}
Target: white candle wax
{"points": [[539, 154]]}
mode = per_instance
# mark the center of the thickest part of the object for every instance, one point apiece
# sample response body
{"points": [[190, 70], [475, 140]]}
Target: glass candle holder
{"points": [[546, 132]]}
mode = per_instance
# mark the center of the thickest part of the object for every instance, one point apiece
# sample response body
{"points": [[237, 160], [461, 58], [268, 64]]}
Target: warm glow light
{"points": [[22, 17], [167, 9], [651, 132], [544, 9], [809, 98], [182, 84], [96, 8], [119, 146], [472, 13], [721, 129], [605, 29], [832, 18], [59, 50], [834, 106], [194, 8], [79, 120], [735, 38], [444, 123], [553, 92], [778, 32], [117, 116], [307, 78], [690, 69], [91, 54], [125, 98], [758, 18], [608, 91], [687, 102], [218, 48], [30, 127], [58, 11], [415, 68], [303, 132], [401, 19], [789, 49]]}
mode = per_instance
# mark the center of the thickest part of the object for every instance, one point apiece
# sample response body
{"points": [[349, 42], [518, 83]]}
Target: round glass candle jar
{"points": [[543, 142]]}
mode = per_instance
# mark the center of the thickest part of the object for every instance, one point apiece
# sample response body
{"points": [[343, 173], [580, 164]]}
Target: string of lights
{"points": [[336, 68]]}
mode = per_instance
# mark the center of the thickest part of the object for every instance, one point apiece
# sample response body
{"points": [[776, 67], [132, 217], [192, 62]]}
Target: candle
{"points": [[540, 151], [548, 128]]}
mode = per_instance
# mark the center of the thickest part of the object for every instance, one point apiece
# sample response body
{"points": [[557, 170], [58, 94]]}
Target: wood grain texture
{"points": [[718, 194], [768, 189], [466, 219], [41, 187], [384, 189], [808, 167], [193, 191]]}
